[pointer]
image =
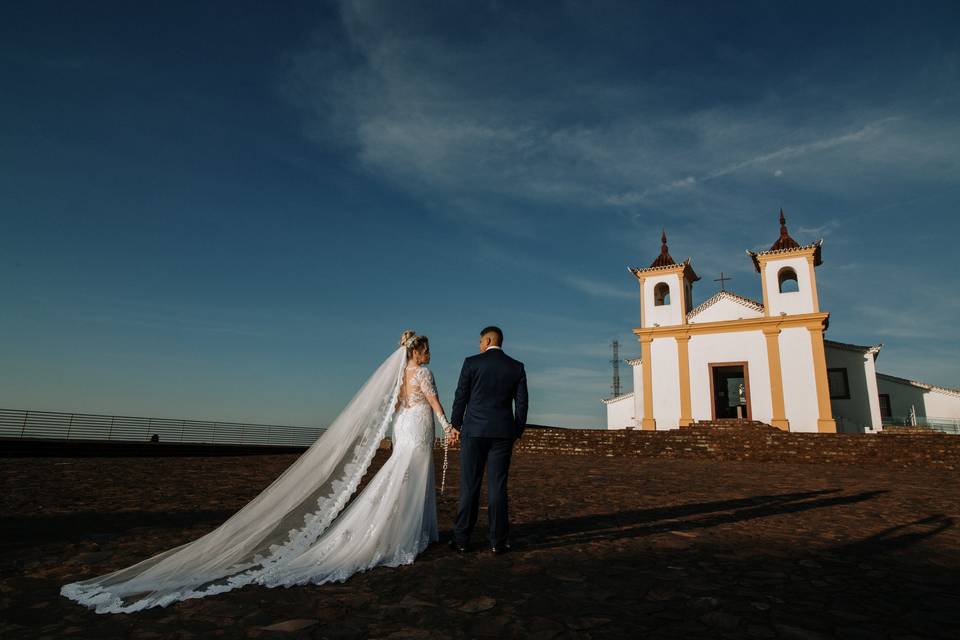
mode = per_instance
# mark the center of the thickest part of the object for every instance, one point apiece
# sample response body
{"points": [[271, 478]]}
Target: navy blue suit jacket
{"points": [[490, 384]]}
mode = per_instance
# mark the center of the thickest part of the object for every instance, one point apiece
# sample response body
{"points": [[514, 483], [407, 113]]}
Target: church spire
{"points": [[784, 241], [664, 259]]}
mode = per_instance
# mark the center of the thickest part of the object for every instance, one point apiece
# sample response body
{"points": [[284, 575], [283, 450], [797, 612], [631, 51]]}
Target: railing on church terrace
{"points": [[53, 425], [945, 425]]}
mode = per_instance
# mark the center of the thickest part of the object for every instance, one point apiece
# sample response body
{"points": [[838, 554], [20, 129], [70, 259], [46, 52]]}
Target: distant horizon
{"points": [[209, 419], [60, 425], [235, 213]]}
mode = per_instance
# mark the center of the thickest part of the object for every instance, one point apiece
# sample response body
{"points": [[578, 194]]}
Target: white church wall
{"points": [[620, 413], [666, 383], [667, 314], [638, 392], [861, 411], [746, 346], [725, 309], [799, 384], [929, 403], [941, 404], [870, 367], [800, 301], [903, 395]]}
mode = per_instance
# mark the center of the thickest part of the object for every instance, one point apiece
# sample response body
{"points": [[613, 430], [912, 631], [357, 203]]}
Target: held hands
{"points": [[453, 436]]}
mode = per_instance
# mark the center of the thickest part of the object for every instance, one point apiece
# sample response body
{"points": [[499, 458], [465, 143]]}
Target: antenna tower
{"points": [[616, 369]]}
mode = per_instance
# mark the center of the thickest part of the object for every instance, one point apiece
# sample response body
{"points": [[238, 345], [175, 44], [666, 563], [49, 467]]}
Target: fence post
{"points": [[23, 427], [69, 426], [146, 436], [183, 424], [213, 438], [110, 430]]}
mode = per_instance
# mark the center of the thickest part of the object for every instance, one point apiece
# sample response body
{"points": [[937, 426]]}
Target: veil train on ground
{"points": [[277, 526]]}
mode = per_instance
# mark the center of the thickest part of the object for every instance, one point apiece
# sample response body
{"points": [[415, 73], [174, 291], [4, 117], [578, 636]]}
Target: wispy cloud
{"points": [[485, 144], [545, 145], [790, 152], [824, 229], [794, 151], [405, 108]]}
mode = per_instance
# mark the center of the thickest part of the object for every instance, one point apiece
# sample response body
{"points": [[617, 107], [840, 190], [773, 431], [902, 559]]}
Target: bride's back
{"points": [[417, 384]]}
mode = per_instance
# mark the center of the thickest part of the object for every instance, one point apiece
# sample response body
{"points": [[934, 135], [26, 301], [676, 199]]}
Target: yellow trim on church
{"points": [[683, 362], [766, 300], [648, 423], [771, 326], [683, 300], [826, 423], [809, 320], [641, 279], [779, 419], [813, 283]]}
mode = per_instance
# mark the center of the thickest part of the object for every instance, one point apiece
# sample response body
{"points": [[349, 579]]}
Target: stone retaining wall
{"points": [[753, 443]]}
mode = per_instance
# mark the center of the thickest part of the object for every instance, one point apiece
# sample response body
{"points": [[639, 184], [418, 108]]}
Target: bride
{"points": [[296, 531]]}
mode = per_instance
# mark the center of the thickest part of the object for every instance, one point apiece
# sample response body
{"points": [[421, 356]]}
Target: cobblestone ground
{"points": [[604, 547]]}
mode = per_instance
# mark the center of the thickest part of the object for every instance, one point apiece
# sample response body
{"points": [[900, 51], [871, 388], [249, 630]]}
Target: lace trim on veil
{"points": [[327, 507]]}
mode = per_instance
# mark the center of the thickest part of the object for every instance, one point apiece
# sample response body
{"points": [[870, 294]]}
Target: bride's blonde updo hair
{"points": [[413, 342]]}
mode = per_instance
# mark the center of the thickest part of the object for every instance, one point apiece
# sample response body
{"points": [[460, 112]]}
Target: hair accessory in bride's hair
{"points": [[407, 338]]}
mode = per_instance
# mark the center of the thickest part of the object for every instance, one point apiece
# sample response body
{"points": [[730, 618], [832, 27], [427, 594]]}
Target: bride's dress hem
{"points": [[323, 549]]}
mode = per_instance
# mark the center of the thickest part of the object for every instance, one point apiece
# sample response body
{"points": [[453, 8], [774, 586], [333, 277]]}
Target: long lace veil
{"points": [[283, 521]]}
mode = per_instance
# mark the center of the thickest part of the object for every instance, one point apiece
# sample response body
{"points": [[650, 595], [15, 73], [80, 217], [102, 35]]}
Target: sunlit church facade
{"points": [[736, 358]]}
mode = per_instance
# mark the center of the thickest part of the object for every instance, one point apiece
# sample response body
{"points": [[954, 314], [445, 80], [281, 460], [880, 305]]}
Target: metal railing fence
{"points": [[946, 425], [54, 425]]}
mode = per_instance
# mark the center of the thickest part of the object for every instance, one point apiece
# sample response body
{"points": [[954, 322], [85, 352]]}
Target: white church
{"points": [[736, 358]]}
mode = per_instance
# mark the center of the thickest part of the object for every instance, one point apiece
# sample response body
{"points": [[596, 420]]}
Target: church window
{"points": [[838, 383], [661, 294], [886, 411], [787, 278]]}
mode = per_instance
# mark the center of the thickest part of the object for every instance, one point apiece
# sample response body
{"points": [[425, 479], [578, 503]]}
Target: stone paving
{"points": [[603, 547]]}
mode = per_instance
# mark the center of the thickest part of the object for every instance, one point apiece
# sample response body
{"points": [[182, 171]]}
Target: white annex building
{"points": [[732, 357]]}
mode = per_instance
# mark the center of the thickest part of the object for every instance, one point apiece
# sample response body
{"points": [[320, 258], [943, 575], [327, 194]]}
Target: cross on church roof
{"points": [[722, 280]]}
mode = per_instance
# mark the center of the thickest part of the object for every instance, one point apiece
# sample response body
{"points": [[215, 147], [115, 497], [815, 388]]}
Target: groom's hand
{"points": [[453, 437]]}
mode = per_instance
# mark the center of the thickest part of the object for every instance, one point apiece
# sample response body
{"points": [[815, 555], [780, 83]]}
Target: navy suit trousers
{"points": [[477, 453]]}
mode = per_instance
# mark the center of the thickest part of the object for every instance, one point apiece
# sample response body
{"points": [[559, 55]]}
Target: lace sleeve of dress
{"points": [[426, 383]]}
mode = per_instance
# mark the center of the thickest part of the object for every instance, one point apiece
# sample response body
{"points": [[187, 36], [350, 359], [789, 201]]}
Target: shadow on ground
{"points": [[603, 548]]}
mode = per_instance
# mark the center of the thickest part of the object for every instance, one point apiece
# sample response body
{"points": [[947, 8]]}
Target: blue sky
{"points": [[232, 210]]}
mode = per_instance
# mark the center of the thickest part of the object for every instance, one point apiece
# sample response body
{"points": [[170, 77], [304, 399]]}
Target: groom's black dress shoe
{"points": [[456, 546]]}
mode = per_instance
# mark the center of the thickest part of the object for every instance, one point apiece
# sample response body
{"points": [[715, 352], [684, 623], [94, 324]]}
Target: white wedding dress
{"points": [[389, 523], [393, 519]]}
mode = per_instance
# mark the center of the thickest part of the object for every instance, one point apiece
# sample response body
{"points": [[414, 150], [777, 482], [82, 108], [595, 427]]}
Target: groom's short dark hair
{"points": [[495, 330]]}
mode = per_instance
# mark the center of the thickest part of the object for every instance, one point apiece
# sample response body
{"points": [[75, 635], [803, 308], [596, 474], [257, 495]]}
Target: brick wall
{"points": [[757, 442]]}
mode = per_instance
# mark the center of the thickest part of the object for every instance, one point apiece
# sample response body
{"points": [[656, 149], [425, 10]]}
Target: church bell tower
{"points": [[787, 275], [666, 289]]}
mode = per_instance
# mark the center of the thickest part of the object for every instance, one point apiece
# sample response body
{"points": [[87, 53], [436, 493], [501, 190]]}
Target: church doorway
{"points": [[730, 390]]}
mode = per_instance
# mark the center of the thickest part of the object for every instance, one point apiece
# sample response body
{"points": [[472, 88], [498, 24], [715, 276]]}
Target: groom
{"points": [[486, 426]]}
